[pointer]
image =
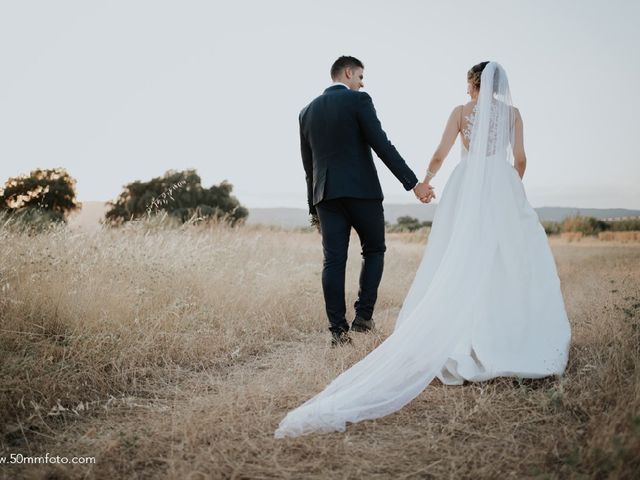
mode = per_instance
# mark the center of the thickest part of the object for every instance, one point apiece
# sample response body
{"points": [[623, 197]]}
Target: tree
{"points": [[48, 193], [181, 195]]}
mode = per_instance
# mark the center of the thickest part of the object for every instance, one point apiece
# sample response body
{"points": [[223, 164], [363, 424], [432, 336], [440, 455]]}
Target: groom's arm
{"points": [[377, 139], [307, 163]]}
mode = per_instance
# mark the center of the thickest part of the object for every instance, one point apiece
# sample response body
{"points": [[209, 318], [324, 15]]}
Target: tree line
{"points": [[49, 195]]}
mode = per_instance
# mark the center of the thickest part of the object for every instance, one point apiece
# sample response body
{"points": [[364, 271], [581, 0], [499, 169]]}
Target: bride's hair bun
{"points": [[475, 73]]}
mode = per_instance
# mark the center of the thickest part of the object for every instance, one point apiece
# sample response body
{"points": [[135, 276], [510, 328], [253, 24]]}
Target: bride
{"points": [[486, 299]]}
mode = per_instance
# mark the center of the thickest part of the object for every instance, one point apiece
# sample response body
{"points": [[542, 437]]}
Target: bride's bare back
{"points": [[459, 123]]}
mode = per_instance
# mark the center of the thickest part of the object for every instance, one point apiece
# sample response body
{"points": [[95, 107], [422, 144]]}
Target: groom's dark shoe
{"points": [[361, 325], [340, 338]]}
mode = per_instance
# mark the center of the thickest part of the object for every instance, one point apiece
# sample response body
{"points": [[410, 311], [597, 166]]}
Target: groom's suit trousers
{"points": [[338, 130], [337, 217]]}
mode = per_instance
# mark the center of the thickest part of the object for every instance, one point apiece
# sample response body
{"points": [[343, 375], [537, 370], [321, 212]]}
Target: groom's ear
{"points": [[348, 72]]}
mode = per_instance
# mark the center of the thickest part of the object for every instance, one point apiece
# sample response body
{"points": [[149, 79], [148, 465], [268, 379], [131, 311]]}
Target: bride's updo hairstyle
{"points": [[475, 73]]}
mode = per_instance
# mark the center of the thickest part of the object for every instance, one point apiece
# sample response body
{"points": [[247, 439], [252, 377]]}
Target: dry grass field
{"points": [[174, 353]]}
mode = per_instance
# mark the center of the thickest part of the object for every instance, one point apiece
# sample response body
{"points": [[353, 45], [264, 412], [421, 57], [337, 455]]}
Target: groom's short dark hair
{"points": [[344, 62]]}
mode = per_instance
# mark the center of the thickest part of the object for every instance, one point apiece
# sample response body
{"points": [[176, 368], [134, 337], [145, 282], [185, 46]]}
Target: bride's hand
{"points": [[430, 196], [422, 190]]}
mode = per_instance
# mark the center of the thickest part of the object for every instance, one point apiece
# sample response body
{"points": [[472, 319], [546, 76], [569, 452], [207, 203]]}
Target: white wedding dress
{"points": [[485, 301]]}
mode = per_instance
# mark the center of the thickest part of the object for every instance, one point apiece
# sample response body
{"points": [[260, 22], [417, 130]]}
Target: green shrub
{"points": [[626, 225], [43, 197], [179, 194], [584, 225], [408, 224], [551, 227]]}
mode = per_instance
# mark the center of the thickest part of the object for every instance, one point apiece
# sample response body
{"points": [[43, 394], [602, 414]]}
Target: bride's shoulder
{"points": [[467, 107], [516, 112], [456, 115], [459, 109]]}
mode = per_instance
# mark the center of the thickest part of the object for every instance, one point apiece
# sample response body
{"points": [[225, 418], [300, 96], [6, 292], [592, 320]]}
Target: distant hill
{"points": [[560, 213], [298, 217], [282, 217]]}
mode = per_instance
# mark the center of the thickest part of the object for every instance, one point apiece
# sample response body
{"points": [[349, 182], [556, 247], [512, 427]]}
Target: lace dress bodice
{"points": [[467, 126], [494, 144]]}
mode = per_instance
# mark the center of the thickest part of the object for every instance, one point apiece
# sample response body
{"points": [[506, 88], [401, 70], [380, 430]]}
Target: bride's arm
{"points": [[448, 139], [520, 159]]}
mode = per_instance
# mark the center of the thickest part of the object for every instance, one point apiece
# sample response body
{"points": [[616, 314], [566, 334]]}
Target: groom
{"points": [[337, 132]]}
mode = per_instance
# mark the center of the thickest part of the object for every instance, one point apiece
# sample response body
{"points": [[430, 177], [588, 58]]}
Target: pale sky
{"points": [[117, 91]]}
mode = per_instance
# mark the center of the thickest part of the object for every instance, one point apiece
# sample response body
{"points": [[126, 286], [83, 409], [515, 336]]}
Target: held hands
{"points": [[424, 192]]}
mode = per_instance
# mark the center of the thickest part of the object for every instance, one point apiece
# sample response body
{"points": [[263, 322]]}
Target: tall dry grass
{"points": [[88, 315], [620, 236], [174, 353]]}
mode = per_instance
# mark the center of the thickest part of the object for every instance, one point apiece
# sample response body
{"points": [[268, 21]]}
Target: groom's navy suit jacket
{"points": [[337, 131]]}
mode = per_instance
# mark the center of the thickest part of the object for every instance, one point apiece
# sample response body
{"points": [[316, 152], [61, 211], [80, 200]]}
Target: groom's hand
{"points": [[315, 221], [424, 192], [429, 197]]}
